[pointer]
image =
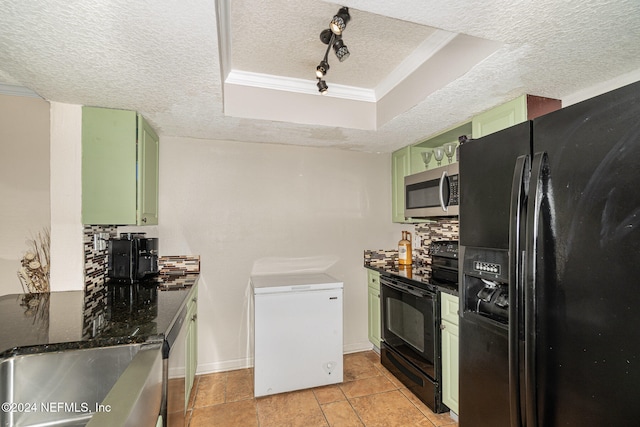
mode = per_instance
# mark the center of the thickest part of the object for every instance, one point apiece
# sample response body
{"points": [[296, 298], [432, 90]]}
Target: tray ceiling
{"points": [[244, 70]]}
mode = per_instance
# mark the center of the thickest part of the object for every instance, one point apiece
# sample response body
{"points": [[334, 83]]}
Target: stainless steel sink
{"points": [[69, 388]]}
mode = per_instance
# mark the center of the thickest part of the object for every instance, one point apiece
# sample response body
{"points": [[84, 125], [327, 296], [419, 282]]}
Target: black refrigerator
{"points": [[550, 277]]}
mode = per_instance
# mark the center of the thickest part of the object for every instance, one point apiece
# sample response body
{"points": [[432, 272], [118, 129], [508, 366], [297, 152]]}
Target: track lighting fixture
{"points": [[339, 21], [322, 86], [322, 69], [332, 37], [341, 50]]}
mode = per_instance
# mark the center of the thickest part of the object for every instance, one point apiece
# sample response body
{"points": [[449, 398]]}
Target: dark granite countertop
{"points": [[115, 314], [418, 274]]}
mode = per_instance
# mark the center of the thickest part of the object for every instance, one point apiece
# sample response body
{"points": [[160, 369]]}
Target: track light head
{"points": [[322, 68], [322, 86], [341, 50], [339, 21]]}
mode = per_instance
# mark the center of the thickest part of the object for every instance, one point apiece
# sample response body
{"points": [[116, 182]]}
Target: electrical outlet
{"points": [[100, 241], [416, 243]]}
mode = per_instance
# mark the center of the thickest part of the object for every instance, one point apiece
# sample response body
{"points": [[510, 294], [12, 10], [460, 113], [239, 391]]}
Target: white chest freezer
{"points": [[298, 332]]}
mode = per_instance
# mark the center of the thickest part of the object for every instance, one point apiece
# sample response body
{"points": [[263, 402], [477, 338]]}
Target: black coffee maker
{"points": [[132, 257]]}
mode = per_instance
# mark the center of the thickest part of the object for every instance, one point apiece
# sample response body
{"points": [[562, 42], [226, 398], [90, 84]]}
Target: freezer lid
{"points": [[273, 283]]}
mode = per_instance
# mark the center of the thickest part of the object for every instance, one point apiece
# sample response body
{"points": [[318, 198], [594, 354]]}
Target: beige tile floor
{"points": [[369, 396]]}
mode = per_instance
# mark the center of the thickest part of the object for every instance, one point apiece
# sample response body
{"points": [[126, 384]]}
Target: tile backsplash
{"points": [[425, 233], [95, 259], [441, 229], [179, 264], [95, 273]]}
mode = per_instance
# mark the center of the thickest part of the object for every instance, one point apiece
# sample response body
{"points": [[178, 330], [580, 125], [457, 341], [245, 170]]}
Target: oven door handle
{"points": [[407, 290]]}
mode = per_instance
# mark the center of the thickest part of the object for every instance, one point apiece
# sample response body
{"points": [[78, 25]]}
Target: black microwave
{"points": [[432, 193]]}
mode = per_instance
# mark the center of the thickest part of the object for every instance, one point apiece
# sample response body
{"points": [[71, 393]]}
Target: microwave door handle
{"points": [[442, 178]]}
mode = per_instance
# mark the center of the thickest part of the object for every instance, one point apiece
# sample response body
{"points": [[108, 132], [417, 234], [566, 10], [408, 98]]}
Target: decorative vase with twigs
{"points": [[34, 265]]}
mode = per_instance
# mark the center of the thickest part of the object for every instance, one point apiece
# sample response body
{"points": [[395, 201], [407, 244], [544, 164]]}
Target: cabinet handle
{"points": [[195, 299], [194, 317], [442, 326], [144, 219]]}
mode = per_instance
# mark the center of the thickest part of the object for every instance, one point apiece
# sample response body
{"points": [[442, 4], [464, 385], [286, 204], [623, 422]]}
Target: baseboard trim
{"points": [[247, 362]]}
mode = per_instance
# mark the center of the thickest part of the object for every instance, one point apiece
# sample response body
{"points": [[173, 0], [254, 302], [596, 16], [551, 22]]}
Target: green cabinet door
{"points": [[191, 346], [120, 154], [108, 166], [374, 307], [400, 167], [525, 107], [450, 350], [148, 155], [450, 355], [500, 117]]}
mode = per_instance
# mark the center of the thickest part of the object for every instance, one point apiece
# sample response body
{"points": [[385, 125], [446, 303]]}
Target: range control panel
{"points": [[487, 267], [445, 248]]}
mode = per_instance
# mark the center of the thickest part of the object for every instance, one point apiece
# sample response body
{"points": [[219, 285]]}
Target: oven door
{"points": [[408, 323]]}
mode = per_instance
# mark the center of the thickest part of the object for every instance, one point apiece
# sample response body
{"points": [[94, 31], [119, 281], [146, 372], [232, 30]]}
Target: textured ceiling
{"points": [[377, 44], [163, 58]]}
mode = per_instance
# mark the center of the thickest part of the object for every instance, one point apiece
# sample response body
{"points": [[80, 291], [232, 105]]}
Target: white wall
{"points": [[24, 181], [234, 203], [67, 251]]}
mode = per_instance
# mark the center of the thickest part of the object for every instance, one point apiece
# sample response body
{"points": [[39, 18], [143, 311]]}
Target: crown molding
{"points": [[6, 89], [304, 86]]}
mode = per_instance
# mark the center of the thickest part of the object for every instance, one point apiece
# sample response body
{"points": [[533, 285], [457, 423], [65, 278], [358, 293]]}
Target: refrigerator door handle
{"points": [[538, 171], [519, 188], [442, 204]]}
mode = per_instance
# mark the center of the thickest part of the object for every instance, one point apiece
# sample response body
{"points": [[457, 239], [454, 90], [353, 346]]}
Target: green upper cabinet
{"points": [[120, 154], [409, 160], [400, 167], [523, 108], [500, 117]]}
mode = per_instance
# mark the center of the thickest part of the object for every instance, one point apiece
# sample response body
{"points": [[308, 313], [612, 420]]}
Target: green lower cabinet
{"points": [[450, 351], [191, 346], [120, 154], [374, 307]]}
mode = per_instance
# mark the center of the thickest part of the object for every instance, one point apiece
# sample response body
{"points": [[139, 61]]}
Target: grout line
{"points": [[381, 373], [320, 407]]}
